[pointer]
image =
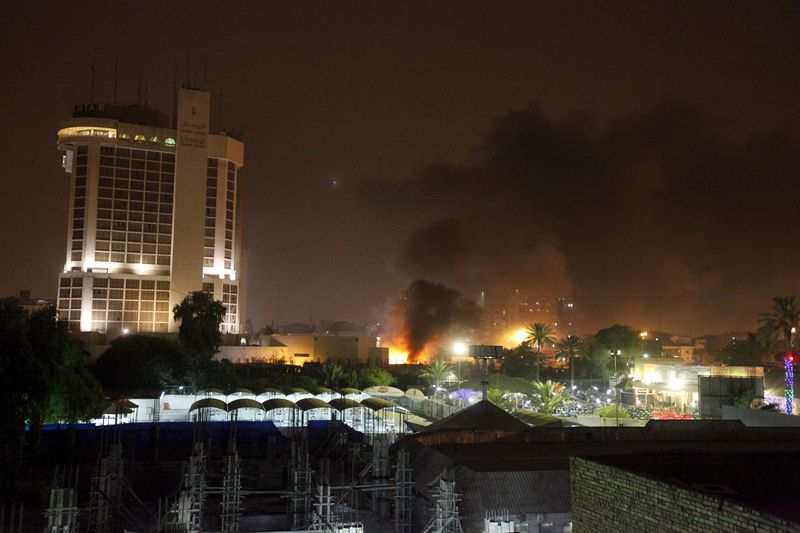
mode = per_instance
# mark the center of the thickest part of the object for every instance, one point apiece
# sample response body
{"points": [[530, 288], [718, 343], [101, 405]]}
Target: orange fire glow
{"points": [[397, 357], [400, 355]]}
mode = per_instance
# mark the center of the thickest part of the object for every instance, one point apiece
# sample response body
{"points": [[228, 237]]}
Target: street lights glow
{"points": [[460, 348]]}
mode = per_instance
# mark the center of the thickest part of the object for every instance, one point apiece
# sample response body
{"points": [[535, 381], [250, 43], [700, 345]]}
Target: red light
{"points": [[792, 358]]}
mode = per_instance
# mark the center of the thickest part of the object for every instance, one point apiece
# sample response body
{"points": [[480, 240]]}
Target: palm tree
{"points": [[435, 372], [332, 374], [550, 395], [539, 334], [778, 326], [569, 349]]}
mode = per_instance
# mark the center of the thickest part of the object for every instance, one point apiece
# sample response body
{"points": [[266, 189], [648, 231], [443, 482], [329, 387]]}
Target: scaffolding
{"points": [[106, 492], [445, 518], [186, 513], [403, 492], [11, 517], [300, 478], [381, 476], [231, 487], [62, 510], [323, 518]]}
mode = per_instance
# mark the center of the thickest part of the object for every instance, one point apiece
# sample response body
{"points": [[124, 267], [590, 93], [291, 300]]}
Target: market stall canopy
{"points": [[376, 404], [205, 403], [307, 404], [392, 392], [278, 403], [340, 404], [244, 403]]}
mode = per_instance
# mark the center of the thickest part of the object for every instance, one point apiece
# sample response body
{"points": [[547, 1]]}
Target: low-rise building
{"points": [[308, 348], [674, 385]]}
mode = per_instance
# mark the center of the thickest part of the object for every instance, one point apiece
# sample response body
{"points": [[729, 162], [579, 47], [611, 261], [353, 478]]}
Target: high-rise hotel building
{"points": [[152, 216]]}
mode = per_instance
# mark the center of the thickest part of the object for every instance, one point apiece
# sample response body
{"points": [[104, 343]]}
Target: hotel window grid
{"points": [[229, 203], [134, 207], [134, 304], [211, 214], [79, 204], [230, 299], [70, 293]]}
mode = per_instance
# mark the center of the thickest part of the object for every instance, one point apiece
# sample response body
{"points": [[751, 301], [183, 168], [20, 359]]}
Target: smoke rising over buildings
{"points": [[644, 218], [428, 311]]}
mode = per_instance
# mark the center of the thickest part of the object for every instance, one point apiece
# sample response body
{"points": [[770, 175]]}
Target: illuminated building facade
{"points": [[152, 216]]}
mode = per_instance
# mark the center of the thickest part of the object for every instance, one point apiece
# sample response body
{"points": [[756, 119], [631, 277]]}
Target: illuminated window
{"points": [[169, 141], [154, 139], [139, 138], [124, 136]]}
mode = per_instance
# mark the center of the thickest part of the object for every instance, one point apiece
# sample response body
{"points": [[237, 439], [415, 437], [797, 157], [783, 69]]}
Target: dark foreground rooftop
{"points": [[766, 482]]}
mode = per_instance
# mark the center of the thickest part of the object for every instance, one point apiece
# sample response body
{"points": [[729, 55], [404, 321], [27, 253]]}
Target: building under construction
{"points": [[479, 470]]}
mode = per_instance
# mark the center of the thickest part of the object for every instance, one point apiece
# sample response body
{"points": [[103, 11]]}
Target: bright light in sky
{"points": [[520, 336], [460, 348]]}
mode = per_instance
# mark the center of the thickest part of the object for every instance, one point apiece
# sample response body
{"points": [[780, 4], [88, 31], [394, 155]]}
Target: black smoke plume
{"points": [[656, 219], [431, 310]]}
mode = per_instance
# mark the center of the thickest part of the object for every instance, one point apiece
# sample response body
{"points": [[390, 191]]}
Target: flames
{"points": [[398, 357], [399, 354]]}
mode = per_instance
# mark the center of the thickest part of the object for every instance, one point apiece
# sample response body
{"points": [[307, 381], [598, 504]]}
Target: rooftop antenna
{"points": [[139, 91], [175, 98], [219, 113], [145, 94], [116, 64], [94, 58], [205, 72]]}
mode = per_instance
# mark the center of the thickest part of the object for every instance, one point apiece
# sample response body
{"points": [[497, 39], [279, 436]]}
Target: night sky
{"points": [[643, 160]]}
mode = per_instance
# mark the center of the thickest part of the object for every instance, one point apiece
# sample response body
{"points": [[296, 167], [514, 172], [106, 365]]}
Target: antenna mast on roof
{"points": [[205, 72], [94, 58], [219, 113], [139, 91], [175, 98], [116, 62]]}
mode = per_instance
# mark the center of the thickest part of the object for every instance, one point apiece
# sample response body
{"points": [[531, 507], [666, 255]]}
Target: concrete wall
{"points": [[605, 498], [759, 418], [716, 391], [254, 354], [321, 348]]}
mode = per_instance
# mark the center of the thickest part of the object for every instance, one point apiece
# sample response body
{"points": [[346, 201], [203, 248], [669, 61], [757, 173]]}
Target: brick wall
{"points": [[608, 499]]}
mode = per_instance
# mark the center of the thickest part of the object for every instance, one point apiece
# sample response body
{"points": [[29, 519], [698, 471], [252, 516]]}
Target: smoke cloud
{"points": [[653, 219], [430, 310]]}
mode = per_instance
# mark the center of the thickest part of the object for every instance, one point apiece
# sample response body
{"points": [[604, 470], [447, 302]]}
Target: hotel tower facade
{"points": [[152, 216]]}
